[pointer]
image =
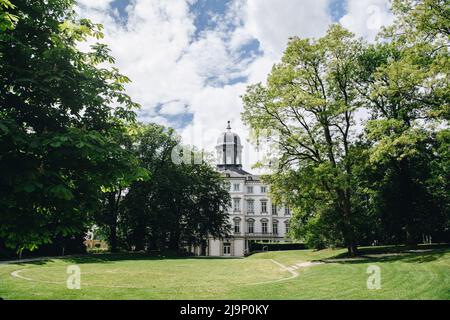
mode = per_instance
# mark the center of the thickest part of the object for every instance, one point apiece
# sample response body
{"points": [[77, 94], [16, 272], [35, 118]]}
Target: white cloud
{"points": [[94, 4], [174, 108], [366, 17], [172, 66], [273, 22], [214, 62]]}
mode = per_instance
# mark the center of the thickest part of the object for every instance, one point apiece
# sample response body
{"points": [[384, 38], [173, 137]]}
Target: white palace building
{"points": [[252, 215]]}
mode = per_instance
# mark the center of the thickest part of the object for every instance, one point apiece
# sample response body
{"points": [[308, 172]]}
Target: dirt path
{"points": [[291, 269]]}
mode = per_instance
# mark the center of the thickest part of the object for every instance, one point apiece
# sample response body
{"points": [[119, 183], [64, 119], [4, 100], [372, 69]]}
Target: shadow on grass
{"points": [[420, 254], [115, 257], [109, 258], [423, 254], [39, 262]]}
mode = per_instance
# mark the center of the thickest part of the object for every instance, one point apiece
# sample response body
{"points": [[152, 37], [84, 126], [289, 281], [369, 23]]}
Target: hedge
{"points": [[259, 246]]}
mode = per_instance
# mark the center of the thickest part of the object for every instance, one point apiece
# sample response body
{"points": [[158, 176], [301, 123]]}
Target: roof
{"points": [[236, 172], [228, 137]]}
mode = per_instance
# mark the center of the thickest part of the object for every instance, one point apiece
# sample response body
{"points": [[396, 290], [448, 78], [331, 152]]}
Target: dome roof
{"points": [[229, 150], [228, 137]]}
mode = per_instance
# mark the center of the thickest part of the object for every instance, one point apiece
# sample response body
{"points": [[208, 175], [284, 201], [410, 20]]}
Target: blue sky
{"points": [[191, 60], [205, 12], [207, 15]]}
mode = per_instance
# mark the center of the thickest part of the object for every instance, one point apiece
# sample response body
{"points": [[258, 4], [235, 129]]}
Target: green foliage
{"points": [[404, 81], [389, 183], [182, 204], [7, 20], [107, 215], [428, 19], [310, 99], [418, 74], [61, 113]]}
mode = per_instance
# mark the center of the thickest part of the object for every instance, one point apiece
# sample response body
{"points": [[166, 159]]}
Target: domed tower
{"points": [[229, 150]]}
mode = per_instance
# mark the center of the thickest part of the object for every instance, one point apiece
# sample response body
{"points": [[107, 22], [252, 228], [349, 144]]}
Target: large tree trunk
{"points": [[352, 250], [411, 235], [348, 231], [174, 243], [113, 202], [408, 212], [203, 248], [343, 194], [139, 236], [113, 238]]}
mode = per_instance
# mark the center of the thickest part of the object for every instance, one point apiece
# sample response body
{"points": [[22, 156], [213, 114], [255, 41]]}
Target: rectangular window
{"points": [[287, 227], [237, 204], [250, 206], [264, 227], [237, 187], [263, 189], [275, 228], [287, 211], [237, 227], [226, 249], [249, 189], [250, 227], [274, 209], [263, 206]]}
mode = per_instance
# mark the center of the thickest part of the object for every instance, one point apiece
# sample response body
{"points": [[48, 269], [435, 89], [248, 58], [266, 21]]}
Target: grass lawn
{"points": [[409, 275]]}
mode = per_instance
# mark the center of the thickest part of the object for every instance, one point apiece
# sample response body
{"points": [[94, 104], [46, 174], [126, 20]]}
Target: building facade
{"points": [[253, 216]]}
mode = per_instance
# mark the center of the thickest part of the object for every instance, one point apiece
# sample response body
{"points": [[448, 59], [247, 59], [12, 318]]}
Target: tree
{"points": [[310, 99], [146, 210], [180, 206], [61, 111], [107, 216], [427, 19], [7, 19], [404, 82], [208, 198], [439, 184]]}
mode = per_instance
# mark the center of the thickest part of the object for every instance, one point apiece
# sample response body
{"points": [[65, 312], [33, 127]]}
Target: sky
{"points": [[191, 60]]}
